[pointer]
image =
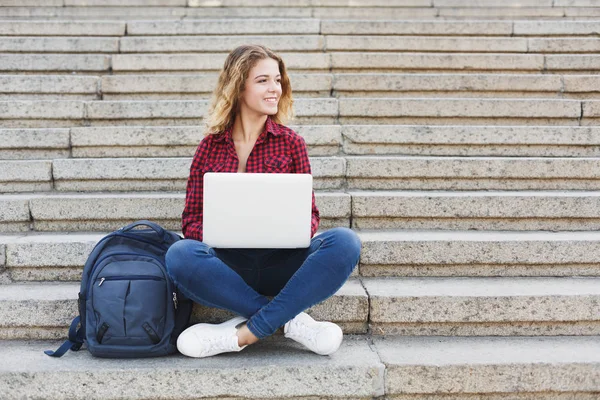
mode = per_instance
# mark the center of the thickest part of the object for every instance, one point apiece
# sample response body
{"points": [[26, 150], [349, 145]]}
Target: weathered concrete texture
{"points": [[581, 83], [446, 28], [53, 28], [560, 368], [25, 176], [556, 45], [534, 304], [419, 43], [130, 3], [210, 61], [34, 139], [55, 62], [500, 12], [447, 82], [476, 210], [472, 173], [492, 108], [14, 212], [59, 45], [428, 61], [50, 250], [56, 84], [313, 3], [373, 13], [87, 212], [540, 4], [225, 27], [42, 109], [467, 253], [471, 140], [267, 370], [584, 62], [218, 43], [555, 28]]}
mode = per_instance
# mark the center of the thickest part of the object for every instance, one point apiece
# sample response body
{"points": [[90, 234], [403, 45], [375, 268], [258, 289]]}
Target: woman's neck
{"points": [[247, 129]]}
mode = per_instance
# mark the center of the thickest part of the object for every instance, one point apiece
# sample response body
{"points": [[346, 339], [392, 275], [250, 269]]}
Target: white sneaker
{"points": [[204, 340], [323, 338]]}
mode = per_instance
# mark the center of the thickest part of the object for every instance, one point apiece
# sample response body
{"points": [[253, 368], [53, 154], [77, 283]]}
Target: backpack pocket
{"points": [[129, 296]]}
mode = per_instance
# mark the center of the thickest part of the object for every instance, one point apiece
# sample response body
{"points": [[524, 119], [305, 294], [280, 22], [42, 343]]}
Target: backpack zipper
{"points": [[130, 277]]}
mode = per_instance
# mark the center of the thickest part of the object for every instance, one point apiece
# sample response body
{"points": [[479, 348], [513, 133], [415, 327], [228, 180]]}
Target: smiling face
{"points": [[262, 90]]}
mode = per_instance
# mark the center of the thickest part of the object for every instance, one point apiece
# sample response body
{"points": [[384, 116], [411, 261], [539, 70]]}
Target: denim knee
{"points": [[179, 257], [349, 240]]}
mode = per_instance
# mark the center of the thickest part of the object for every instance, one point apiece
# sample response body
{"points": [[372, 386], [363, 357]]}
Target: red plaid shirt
{"points": [[278, 149]]}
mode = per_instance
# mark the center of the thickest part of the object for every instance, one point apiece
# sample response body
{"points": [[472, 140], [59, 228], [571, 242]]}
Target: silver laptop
{"points": [[252, 210]]}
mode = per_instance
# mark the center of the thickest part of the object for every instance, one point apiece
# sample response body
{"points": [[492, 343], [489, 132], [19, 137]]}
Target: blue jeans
{"points": [[239, 279]]}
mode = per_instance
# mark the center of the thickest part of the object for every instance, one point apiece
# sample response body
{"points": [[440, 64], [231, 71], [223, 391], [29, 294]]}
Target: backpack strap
{"points": [[74, 343], [162, 234]]}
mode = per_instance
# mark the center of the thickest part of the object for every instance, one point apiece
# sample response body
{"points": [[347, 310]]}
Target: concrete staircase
{"points": [[460, 140]]}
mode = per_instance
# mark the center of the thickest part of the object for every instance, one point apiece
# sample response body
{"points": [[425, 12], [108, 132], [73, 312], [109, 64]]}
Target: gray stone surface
{"points": [[501, 12], [373, 13], [14, 208], [58, 45], [25, 176], [55, 62], [266, 370], [560, 45], [555, 28], [471, 140], [471, 303], [209, 61], [218, 43], [581, 83], [130, 3], [523, 210], [382, 107], [429, 27], [419, 43], [428, 61], [572, 62], [55, 84], [54, 28], [468, 253], [519, 368], [491, 3], [225, 27], [42, 109], [399, 83], [472, 173], [31, 139]]}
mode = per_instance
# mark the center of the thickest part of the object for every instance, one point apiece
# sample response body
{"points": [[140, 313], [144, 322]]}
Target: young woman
{"points": [[252, 100]]}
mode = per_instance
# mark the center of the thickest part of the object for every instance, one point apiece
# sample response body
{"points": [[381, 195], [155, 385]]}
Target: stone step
{"points": [[353, 62], [107, 212], [484, 306], [389, 306], [409, 210], [386, 111], [55, 28], [521, 211], [421, 367], [55, 256], [540, 141], [467, 173], [201, 86], [33, 44], [222, 43], [321, 140], [51, 306], [69, 113], [329, 173]]}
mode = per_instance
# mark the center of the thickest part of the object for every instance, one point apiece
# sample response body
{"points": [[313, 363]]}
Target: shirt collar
{"points": [[270, 127]]}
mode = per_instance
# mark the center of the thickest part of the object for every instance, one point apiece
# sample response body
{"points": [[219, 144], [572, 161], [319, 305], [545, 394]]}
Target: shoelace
{"points": [[302, 331], [220, 342]]}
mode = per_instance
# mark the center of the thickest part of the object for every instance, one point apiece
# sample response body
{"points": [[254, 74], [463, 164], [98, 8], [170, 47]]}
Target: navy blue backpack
{"points": [[128, 305]]}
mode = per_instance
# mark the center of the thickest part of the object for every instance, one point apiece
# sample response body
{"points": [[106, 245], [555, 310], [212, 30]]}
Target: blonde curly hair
{"points": [[232, 81]]}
